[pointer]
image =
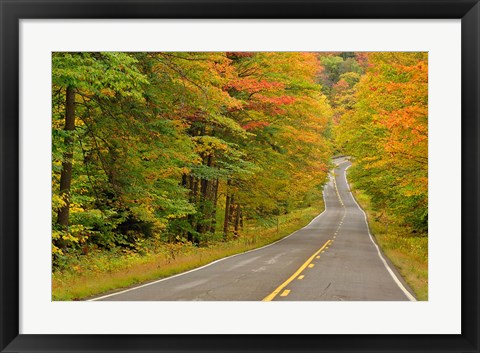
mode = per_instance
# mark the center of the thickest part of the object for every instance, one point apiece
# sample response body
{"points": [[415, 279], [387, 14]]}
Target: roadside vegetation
{"points": [[101, 271], [381, 121], [405, 248]]}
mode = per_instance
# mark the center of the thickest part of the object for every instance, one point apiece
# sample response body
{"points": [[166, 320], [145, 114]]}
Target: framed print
{"points": [[184, 133]]}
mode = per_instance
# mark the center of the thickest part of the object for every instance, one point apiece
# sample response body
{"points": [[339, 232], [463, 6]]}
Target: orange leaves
{"points": [[286, 115], [255, 125], [406, 118], [252, 85], [402, 107], [389, 132], [386, 131], [269, 105]]}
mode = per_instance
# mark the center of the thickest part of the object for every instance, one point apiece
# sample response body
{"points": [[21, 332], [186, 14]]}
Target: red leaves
{"points": [[266, 102], [362, 59], [270, 105], [252, 125]]}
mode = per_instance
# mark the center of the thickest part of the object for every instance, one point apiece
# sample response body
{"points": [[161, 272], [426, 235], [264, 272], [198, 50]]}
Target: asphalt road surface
{"points": [[332, 258]]}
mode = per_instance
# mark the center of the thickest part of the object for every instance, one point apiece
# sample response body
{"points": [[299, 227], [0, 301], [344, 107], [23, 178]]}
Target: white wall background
{"points": [[440, 315]]}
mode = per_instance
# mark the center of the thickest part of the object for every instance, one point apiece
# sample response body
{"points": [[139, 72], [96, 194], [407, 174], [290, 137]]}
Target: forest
{"points": [[177, 152]]}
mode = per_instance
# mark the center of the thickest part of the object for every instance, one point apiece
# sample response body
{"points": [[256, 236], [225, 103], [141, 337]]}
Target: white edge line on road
{"points": [[389, 270], [209, 264], [313, 220]]}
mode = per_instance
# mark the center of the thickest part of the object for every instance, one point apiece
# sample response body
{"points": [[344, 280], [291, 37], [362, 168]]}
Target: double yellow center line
{"points": [[272, 295]]}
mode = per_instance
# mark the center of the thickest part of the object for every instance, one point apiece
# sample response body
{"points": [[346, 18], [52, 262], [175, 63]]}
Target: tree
{"points": [[387, 133], [83, 73], [183, 146]]}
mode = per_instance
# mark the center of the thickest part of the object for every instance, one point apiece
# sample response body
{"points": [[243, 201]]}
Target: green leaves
{"points": [[103, 74], [163, 140]]}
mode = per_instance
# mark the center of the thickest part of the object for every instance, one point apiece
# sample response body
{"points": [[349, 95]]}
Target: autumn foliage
{"points": [[181, 147], [386, 130]]}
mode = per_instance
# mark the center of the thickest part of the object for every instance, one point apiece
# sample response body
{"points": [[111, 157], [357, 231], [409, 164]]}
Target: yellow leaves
{"points": [[208, 145], [70, 238], [107, 92], [185, 170], [57, 202], [75, 235], [56, 250], [76, 208], [143, 209], [56, 234], [77, 268], [303, 66]]}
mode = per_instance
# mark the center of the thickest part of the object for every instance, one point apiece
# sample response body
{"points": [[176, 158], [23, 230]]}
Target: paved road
{"points": [[332, 258]]}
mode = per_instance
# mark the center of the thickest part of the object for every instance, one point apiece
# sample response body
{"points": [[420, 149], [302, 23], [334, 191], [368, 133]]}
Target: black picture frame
{"points": [[12, 11]]}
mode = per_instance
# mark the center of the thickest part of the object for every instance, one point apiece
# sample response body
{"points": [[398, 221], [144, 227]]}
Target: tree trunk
{"points": [[227, 213], [193, 199], [202, 206], [237, 219], [232, 211], [194, 189], [66, 174], [241, 220], [213, 216], [205, 198]]}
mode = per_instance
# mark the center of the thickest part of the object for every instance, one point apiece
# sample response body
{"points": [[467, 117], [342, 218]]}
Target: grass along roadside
{"points": [[407, 251], [100, 272]]}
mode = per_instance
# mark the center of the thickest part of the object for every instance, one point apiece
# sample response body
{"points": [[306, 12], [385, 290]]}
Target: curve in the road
{"points": [[333, 258], [385, 263]]}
